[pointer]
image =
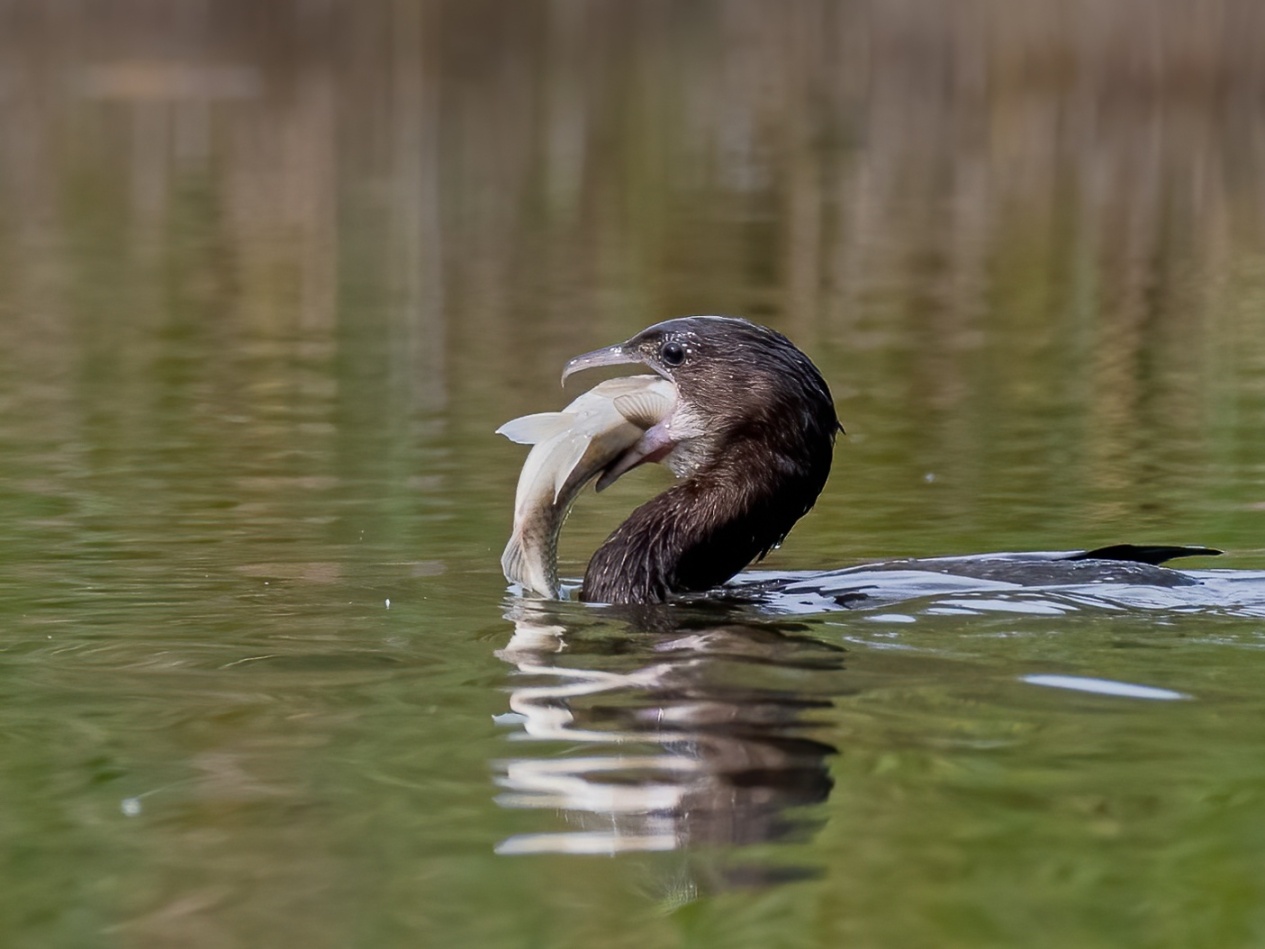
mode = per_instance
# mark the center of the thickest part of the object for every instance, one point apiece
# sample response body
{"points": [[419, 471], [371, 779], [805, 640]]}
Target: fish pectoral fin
{"points": [[533, 429], [645, 409]]}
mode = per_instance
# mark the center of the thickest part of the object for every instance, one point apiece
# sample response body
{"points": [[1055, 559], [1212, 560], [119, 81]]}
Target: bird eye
{"points": [[672, 353]]}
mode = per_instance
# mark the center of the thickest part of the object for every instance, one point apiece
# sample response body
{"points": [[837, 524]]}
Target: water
{"points": [[269, 282]]}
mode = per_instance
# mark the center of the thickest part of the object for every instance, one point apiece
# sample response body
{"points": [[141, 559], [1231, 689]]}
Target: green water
{"points": [[268, 284]]}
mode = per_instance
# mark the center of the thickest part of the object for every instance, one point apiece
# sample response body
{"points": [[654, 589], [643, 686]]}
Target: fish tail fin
{"points": [[518, 568], [533, 429]]}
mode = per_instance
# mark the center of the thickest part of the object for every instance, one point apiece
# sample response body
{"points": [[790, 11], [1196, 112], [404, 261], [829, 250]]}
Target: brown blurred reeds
{"points": [[1081, 177]]}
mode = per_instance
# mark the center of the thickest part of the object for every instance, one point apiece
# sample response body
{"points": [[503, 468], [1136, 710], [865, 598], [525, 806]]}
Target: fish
{"points": [[602, 434]]}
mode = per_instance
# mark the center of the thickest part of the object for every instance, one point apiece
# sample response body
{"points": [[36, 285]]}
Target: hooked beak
{"points": [[615, 355]]}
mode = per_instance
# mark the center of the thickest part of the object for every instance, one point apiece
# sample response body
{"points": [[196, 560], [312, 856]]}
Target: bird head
{"points": [[737, 383]]}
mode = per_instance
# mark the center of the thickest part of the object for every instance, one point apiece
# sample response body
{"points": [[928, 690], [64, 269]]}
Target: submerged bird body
{"points": [[747, 424]]}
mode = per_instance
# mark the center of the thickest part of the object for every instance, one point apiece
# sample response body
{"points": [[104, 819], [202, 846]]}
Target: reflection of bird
{"points": [[704, 731], [751, 435]]}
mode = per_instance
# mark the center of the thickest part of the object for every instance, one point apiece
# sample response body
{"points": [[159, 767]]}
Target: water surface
{"points": [[268, 282]]}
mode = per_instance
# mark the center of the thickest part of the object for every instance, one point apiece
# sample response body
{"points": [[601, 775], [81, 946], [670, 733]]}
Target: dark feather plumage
{"points": [[752, 439]]}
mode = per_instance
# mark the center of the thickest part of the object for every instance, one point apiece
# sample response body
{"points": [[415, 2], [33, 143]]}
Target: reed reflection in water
{"points": [[1024, 246], [675, 730]]}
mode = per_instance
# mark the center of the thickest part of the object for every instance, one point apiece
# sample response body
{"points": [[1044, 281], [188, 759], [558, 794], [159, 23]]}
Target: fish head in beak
{"points": [[668, 349], [688, 353]]}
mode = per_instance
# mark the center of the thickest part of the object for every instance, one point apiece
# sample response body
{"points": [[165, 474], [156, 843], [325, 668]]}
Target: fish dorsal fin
{"points": [[645, 409], [576, 445], [533, 429]]}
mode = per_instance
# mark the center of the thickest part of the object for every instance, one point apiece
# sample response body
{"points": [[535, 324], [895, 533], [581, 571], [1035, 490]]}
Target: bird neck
{"points": [[700, 532]]}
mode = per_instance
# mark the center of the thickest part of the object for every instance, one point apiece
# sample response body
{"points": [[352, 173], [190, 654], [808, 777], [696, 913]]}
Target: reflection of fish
{"points": [[601, 432]]}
